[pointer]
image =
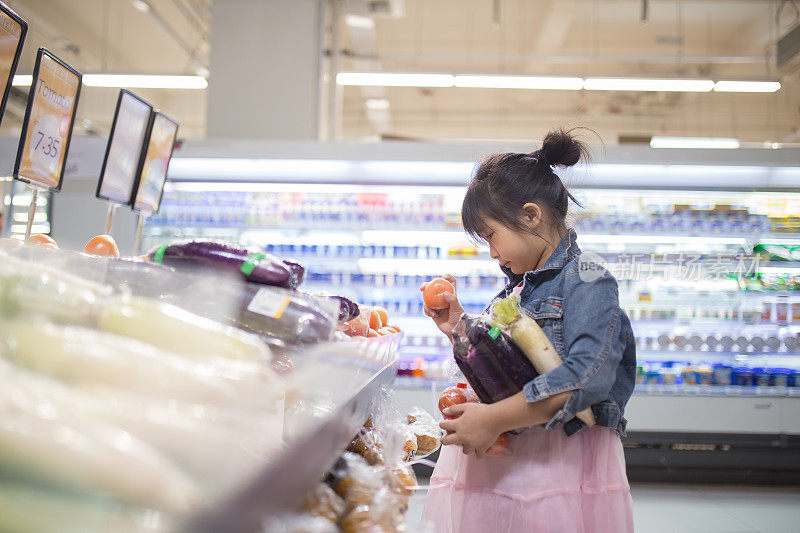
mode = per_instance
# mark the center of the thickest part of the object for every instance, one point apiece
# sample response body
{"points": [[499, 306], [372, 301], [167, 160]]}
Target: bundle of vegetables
{"points": [[257, 267], [530, 338], [491, 362]]}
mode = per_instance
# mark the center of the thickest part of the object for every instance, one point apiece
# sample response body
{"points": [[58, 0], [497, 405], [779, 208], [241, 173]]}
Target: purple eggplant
{"points": [[348, 309], [260, 268], [495, 367], [297, 272]]}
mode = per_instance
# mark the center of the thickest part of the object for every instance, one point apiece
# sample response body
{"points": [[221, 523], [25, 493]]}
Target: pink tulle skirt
{"points": [[543, 482]]}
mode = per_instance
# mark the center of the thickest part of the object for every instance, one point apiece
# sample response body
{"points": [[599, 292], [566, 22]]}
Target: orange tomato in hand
{"points": [[433, 293], [102, 245], [372, 333], [42, 240]]}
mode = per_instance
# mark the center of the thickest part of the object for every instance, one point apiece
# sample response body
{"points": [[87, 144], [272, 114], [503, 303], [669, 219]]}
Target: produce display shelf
{"points": [[325, 425]]}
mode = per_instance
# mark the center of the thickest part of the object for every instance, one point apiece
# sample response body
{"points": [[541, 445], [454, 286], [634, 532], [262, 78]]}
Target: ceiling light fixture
{"points": [[392, 79], [520, 82], [747, 86], [22, 80], [694, 142], [142, 81], [646, 84]]}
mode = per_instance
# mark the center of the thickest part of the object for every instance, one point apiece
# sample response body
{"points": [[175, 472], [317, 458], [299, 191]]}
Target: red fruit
{"points": [[42, 240], [499, 445], [433, 293], [102, 245]]}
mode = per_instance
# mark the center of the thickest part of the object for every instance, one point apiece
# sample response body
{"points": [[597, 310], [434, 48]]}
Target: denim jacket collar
{"points": [[566, 249]]}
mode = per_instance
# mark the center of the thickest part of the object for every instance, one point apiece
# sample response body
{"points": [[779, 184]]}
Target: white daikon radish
{"points": [[533, 342], [212, 446], [177, 330], [90, 358], [89, 455]]}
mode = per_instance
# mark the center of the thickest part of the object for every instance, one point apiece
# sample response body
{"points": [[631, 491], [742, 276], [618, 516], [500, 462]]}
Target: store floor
{"points": [[693, 508]]}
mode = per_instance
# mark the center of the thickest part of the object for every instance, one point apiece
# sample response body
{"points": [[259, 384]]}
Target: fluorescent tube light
{"points": [[145, 81], [520, 82], [377, 104], [645, 84], [747, 86], [357, 21], [22, 80], [693, 142], [392, 79]]}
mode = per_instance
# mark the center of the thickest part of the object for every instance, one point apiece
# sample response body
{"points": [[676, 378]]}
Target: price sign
{"points": [[124, 150], [153, 174], [47, 128], [12, 35]]}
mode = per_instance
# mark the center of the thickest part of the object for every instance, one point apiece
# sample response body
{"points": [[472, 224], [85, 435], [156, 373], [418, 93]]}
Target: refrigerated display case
{"points": [[709, 276]]}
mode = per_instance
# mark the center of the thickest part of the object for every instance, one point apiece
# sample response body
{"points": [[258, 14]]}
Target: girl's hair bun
{"points": [[561, 148]]}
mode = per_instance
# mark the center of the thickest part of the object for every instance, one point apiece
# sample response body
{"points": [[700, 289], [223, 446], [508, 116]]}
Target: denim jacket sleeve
{"points": [[592, 349]]}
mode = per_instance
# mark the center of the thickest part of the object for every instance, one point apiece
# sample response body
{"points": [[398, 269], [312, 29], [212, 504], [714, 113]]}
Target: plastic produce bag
{"points": [[291, 316], [494, 366]]}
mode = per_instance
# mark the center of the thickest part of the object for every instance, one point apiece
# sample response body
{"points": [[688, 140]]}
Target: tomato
{"points": [[383, 313], [375, 321], [372, 333], [455, 395], [102, 245], [433, 293], [42, 240], [499, 445]]}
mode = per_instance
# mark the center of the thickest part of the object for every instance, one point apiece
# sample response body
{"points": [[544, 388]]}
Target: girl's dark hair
{"points": [[505, 182]]}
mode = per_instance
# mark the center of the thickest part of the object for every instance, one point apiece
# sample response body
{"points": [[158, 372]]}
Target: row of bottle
{"points": [[684, 223], [370, 281], [301, 209], [355, 251], [753, 343], [673, 373], [227, 208], [764, 310]]}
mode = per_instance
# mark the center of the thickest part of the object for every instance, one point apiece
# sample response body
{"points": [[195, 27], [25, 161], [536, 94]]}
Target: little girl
{"points": [[557, 475]]}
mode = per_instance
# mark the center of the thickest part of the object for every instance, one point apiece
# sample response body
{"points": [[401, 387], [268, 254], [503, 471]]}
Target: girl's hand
{"points": [[446, 319], [474, 428]]}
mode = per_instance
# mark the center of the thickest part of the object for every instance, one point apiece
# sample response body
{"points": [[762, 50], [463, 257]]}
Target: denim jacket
{"points": [[579, 312]]}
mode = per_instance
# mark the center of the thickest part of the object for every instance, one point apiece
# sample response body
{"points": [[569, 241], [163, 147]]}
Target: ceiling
{"points": [[113, 36], [712, 39]]}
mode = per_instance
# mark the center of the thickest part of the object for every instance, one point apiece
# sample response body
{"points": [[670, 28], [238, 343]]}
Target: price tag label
{"points": [[267, 303], [48, 122], [45, 145]]}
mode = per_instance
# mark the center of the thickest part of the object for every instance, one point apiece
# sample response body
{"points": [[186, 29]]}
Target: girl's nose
{"points": [[493, 253]]}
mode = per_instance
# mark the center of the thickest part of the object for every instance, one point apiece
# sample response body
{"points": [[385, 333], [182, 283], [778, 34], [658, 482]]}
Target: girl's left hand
{"points": [[472, 427]]}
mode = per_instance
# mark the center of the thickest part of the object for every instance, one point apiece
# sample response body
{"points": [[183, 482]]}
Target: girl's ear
{"points": [[532, 214]]}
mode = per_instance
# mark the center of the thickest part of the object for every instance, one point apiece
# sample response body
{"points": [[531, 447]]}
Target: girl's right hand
{"points": [[446, 319]]}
